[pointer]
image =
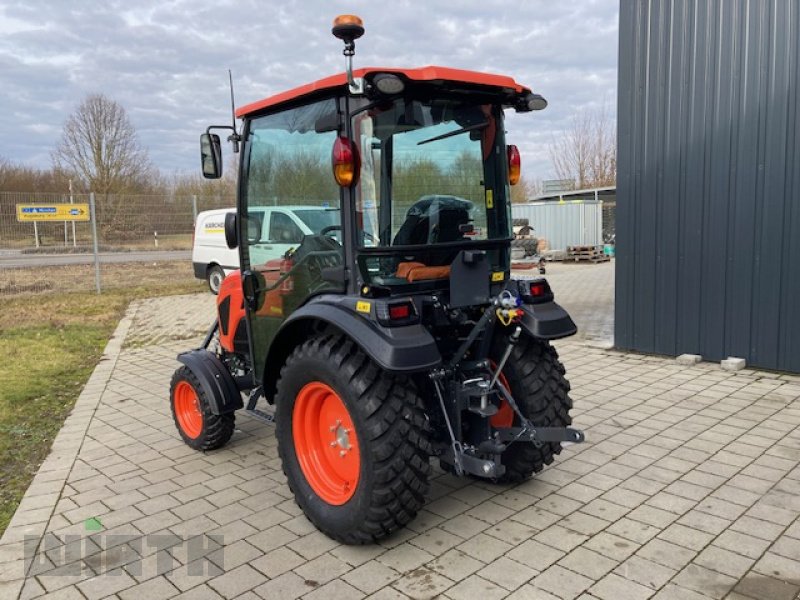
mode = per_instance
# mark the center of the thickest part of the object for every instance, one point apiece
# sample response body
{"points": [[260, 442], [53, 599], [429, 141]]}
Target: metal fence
{"points": [[138, 240]]}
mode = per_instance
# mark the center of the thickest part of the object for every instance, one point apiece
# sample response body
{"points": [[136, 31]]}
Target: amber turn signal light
{"points": [[514, 165], [345, 162]]}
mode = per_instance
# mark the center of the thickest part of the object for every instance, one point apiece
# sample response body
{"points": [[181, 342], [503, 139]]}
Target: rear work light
{"points": [[345, 162], [514, 165]]}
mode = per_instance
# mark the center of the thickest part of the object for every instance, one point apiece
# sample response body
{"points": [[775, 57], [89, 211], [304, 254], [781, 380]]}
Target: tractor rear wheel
{"points": [[535, 378], [353, 439], [199, 427]]}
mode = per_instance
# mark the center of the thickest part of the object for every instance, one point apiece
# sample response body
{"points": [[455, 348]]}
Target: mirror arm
{"points": [[235, 137]]}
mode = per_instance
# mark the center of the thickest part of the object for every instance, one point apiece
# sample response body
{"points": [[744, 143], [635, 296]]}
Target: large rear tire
{"points": [[354, 441], [538, 385], [199, 427]]}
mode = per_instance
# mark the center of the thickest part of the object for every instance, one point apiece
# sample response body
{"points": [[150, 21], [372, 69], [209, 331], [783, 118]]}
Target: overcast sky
{"points": [[166, 62]]}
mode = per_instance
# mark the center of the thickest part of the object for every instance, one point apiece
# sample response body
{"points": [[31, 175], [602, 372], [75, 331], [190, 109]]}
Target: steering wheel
{"points": [[329, 228]]}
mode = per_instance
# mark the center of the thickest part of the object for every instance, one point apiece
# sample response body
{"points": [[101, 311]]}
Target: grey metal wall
{"points": [[708, 211], [562, 224]]}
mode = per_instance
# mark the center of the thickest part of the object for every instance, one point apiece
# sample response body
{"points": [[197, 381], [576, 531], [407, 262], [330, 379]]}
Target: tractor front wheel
{"points": [[536, 380], [199, 427], [353, 440]]}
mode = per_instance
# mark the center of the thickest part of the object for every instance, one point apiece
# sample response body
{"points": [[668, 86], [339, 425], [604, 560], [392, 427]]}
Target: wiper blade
{"points": [[456, 132]]}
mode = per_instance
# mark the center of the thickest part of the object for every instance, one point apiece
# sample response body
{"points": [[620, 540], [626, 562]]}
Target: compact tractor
{"points": [[394, 333]]}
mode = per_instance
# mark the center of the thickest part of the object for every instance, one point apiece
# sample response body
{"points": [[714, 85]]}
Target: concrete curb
{"points": [[29, 523]]}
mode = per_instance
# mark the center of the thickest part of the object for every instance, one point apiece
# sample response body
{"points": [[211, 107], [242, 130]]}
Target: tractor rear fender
{"points": [[547, 321], [406, 349], [216, 380]]}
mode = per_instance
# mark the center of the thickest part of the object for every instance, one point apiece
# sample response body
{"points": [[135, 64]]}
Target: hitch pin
{"points": [[511, 343]]}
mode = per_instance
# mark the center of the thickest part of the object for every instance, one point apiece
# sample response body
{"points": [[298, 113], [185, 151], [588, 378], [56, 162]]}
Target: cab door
{"points": [[286, 165]]}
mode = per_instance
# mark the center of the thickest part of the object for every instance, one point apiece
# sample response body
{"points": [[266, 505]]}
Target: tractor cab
{"points": [[385, 329]]}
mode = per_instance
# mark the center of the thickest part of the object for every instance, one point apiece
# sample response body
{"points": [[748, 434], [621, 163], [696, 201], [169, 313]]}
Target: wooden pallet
{"points": [[593, 254]]}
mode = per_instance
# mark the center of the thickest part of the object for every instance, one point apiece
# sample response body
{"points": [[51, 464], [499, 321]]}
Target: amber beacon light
{"points": [[348, 27]]}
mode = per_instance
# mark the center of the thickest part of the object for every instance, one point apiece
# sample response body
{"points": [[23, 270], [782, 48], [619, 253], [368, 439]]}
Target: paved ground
{"points": [[587, 292], [687, 489]]}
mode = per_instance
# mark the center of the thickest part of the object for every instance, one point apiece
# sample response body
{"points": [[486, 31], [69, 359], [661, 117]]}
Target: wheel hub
{"points": [[341, 436]]}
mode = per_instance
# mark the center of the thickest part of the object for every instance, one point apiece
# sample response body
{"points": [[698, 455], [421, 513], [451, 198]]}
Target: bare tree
{"points": [[99, 145], [586, 153], [525, 190]]}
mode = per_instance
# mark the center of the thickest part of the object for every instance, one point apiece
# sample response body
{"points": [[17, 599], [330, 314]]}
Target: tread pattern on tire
{"points": [[217, 429], [396, 435], [545, 402]]}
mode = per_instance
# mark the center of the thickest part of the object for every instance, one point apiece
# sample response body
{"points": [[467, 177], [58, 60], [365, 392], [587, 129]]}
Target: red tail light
{"points": [[399, 311], [514, 165], [396, 314], [345, 162], [538, 290]]}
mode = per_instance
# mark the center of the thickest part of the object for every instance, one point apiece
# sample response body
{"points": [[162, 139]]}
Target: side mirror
{"points": [[231, 230], [211, 155]]}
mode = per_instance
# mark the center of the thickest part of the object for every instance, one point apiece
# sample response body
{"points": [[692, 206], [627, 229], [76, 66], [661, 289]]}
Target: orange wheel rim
{"points": [[504, 417], [325, 443], [187, 410]]}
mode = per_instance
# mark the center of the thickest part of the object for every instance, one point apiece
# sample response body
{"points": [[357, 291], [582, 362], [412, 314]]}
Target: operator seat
{"points": [[434, 219]]}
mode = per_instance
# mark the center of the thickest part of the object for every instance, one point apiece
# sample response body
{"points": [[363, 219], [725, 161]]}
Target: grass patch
{"points": [[50, 344]]}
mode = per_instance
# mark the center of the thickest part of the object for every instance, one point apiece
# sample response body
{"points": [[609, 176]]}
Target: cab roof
{"points": [[429, 73]]}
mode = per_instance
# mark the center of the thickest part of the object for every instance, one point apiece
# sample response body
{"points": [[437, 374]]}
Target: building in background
{"points": [[708, 225]]}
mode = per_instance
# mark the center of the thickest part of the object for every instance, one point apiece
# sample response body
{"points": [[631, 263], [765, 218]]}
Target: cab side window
{"points": [[282, 230]]}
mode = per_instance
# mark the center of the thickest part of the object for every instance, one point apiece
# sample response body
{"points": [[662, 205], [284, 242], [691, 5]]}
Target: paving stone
{"points": [[485, 548], [667, 554], [767, 588], [779, 567], [612, 546], [286, 587], [423, 584], [705, 581], [322, 569], [614, 587], [645, 572], [587, 562], [154, 589], [562, 582], [476, 587], [405, 558], [371, 576], [106, 584], [455, 565], [335, 590], [436, 541], [237, 581], [507, 573]]}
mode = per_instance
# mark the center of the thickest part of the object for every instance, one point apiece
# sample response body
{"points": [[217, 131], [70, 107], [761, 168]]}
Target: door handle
{"points": [[250, 289]]}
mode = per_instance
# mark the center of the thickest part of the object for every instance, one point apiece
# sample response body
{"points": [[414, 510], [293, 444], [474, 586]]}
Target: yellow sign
{"points": [[363, 307], [489, 199], [498, 276], [52, 212]]}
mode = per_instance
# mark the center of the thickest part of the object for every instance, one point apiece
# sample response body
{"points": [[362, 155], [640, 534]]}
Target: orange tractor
{"points": [[394, 334]]}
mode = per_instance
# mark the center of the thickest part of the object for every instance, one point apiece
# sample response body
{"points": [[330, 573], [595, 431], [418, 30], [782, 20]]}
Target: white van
{"points": [[277, 229]]}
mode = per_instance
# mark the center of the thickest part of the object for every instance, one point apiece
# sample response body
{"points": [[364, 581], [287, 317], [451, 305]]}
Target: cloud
{"points": [[166, 63]]}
